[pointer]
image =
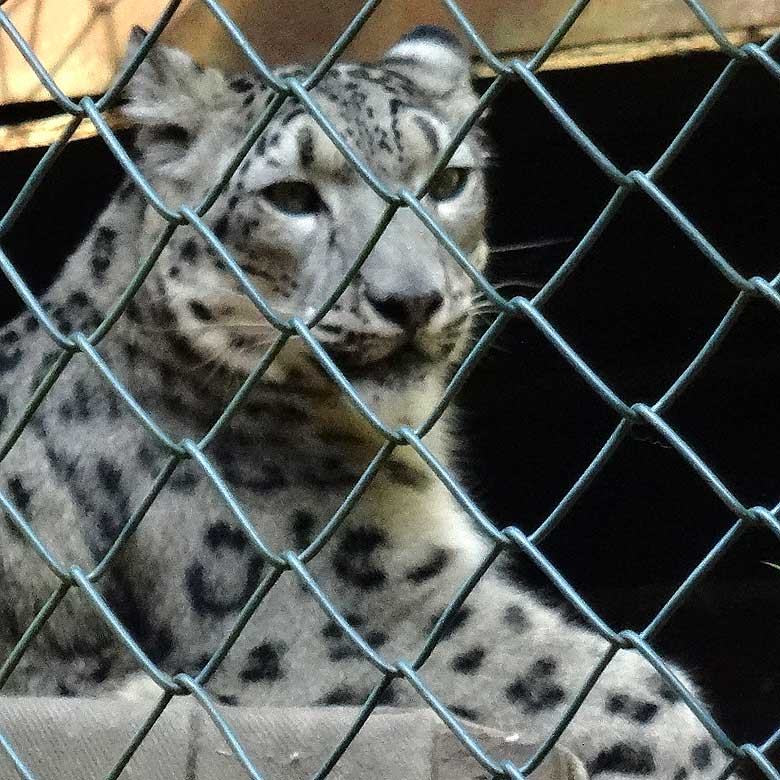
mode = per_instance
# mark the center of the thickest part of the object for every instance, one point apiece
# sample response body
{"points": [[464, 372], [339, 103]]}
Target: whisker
{"points": [[522, 246], [518, 282]]}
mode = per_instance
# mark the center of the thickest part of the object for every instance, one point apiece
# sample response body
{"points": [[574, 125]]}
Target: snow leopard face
{"points": [[296, 214]]}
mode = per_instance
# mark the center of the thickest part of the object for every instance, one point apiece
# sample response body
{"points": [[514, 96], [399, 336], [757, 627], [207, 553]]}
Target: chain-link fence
{"points": [[637, 419]]}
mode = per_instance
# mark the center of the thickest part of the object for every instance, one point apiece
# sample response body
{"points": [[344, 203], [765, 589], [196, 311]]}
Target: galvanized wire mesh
{"points": [[634, 417]]}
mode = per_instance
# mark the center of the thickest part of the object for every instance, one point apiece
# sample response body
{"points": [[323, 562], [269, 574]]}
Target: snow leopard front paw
{"points": [[136, 688]]}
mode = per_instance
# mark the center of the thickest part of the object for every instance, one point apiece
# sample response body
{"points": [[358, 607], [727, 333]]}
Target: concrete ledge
{"points": [[81, 739]]}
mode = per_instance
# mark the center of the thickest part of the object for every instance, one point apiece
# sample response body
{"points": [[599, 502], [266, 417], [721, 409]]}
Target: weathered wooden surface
{"points": [[81, 42]]}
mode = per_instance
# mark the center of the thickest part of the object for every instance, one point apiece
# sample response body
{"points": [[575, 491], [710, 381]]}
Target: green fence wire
{"points": [[635, 419]]}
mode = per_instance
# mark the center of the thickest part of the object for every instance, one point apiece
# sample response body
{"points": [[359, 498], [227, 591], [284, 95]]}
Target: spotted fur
{"points": [[294, 217]]}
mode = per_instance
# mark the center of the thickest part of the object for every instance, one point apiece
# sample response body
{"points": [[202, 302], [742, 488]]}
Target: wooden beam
{"points": [[43, 132], [565, 58], [81, 42]]}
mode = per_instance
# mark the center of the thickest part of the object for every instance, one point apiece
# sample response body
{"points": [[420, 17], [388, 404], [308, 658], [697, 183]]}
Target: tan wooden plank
{"points": [[590, 55], [82, 41], [43, 132]]}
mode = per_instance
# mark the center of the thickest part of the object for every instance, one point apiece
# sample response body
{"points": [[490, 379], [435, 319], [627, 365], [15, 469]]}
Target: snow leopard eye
{"points": [[294, 197], [448, 183]]}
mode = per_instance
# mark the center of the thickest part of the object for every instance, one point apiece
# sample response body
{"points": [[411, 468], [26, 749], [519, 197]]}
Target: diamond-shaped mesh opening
{"points": [[639, 419]]}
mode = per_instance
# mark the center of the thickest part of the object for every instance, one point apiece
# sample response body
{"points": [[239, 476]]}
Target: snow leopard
{"points": [[292, 220]]}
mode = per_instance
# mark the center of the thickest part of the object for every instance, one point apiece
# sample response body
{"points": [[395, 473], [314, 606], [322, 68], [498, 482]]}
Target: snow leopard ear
{"points": [[171, 91], [178, 106], [433, 58]]}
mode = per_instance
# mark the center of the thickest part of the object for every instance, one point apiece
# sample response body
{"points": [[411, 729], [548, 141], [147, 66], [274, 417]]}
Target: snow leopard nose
{"points": [[410, 311]]}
